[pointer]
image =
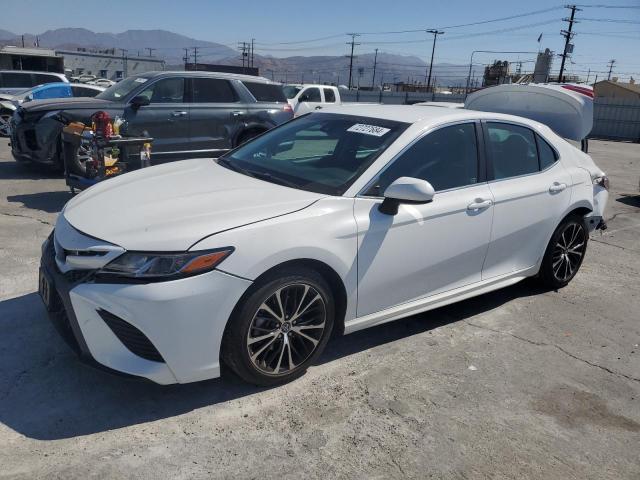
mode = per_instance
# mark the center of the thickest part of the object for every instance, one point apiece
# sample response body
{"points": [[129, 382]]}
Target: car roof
{"points": [[200, 73], [33, 71], [420, 114]]}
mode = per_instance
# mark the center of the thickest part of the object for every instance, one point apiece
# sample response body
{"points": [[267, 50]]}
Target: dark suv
{"points": [[188, 114]]}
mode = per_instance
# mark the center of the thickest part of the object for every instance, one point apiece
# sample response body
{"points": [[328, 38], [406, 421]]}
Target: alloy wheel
{"points": [[286, 329], [568, 252], [5, 126]]}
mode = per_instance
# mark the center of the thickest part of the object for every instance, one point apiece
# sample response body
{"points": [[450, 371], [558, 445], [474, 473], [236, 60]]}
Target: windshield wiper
{"points": [[268, 177], [271, 178]]}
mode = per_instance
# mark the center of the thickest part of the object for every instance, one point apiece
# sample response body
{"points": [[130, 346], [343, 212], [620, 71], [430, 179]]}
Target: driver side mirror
{"points": [[303, 98], [406, 190], [139, 101]]}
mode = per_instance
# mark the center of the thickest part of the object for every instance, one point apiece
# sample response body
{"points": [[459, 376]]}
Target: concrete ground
{"points": [[520, 383]]}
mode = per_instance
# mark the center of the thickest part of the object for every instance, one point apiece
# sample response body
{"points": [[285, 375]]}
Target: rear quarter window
{"points": [[266, 92]]}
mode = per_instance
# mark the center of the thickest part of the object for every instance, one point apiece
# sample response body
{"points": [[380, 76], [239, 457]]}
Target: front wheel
{"points": [[280, 328], [5, 126], [565, 252]]}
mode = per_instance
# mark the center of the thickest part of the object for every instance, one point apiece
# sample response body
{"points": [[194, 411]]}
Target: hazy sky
{"points": [[273, 22]]}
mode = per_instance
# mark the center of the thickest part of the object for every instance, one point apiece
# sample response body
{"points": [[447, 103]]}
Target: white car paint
{"points": [[301, 106], [466, 242]]}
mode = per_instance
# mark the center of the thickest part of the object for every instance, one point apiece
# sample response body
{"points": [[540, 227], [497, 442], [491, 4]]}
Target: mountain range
{"points": [[171, 47]]}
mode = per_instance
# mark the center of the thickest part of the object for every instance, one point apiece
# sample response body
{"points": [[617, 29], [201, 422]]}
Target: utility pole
{"points": [[588, 74], [375, 63], [244, 46], [186, 57], [567, 34], [353, 44], [435, 36], [195, 58], [150, 51], [611, 62]]}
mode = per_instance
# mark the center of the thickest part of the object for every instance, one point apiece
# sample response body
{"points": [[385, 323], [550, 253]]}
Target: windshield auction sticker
{"points": [[368, 129]]}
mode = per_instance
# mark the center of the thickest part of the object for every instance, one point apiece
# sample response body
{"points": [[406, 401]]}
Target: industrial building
{"points": [[110, 63], [107, 63], [37, 59], [620, 90]]}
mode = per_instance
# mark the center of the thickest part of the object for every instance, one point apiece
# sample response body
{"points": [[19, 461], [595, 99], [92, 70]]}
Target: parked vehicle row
{"points": [[188, 114], [339, 220]]}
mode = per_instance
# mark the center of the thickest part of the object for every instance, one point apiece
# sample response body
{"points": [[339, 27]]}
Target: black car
{"points": [[188, 114]]}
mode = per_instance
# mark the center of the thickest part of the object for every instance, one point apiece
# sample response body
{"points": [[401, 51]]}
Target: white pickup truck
{"points": [[305, 98]]}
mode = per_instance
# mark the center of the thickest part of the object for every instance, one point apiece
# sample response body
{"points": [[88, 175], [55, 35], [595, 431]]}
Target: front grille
{"points": [[132, 338]]}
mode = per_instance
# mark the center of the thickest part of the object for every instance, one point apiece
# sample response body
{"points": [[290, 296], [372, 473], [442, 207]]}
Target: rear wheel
{"points": [[280, 328], [565, 252], [248, 135]]}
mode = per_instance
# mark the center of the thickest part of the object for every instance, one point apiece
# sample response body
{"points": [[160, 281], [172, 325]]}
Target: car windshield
{"points": [[122, 89], [319, 152], [291, 91]]}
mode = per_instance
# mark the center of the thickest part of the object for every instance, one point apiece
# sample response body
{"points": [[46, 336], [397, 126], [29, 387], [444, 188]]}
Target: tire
{"points": [[248, 135], [565, 252], [263, 346]]}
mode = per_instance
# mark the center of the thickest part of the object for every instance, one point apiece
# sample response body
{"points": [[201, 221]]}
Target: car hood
{"points": [[66, 103], [171, 207]]}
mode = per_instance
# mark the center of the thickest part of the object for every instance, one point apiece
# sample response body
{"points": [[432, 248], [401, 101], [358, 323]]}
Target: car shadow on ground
{"points": [[631, 200], [46, 393], [51, 202], [12, 170]]}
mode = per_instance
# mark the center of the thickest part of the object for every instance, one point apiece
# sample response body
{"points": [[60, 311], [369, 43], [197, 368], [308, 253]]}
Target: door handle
{"points": [[237, 114], [479, 204], [178, 113], [557, 187]]}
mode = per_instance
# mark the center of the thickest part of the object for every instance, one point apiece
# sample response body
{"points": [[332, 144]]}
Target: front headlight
{"points": [[164, 266]]}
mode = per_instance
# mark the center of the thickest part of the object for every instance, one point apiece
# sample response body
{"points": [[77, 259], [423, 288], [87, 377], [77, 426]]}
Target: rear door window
{"points": [[512, 150], [329, 95], [42, 78], [212, 90], [310, 95], [266, 92]]}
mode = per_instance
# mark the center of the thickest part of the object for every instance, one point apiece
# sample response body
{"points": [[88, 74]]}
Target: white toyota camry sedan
{"points": [[336, 221]]}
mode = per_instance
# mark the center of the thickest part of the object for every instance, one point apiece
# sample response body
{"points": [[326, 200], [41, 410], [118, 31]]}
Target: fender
{"points": [[247, 126], [8, 106]]}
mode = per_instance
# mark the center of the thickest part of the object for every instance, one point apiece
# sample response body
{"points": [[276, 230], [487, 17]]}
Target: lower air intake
{"points": [[132, 338]]}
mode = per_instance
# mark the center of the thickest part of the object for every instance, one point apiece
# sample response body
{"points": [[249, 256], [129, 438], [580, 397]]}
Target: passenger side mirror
{"points": [[406, 190], [139, 101]]}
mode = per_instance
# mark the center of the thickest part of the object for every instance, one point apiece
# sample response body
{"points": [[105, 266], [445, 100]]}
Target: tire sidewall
{"points": [[234, 347], [546, 272]]}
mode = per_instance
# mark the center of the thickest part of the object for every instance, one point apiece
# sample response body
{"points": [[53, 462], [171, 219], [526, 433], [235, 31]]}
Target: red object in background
{"points": [[583, 90], [102, 124]]}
